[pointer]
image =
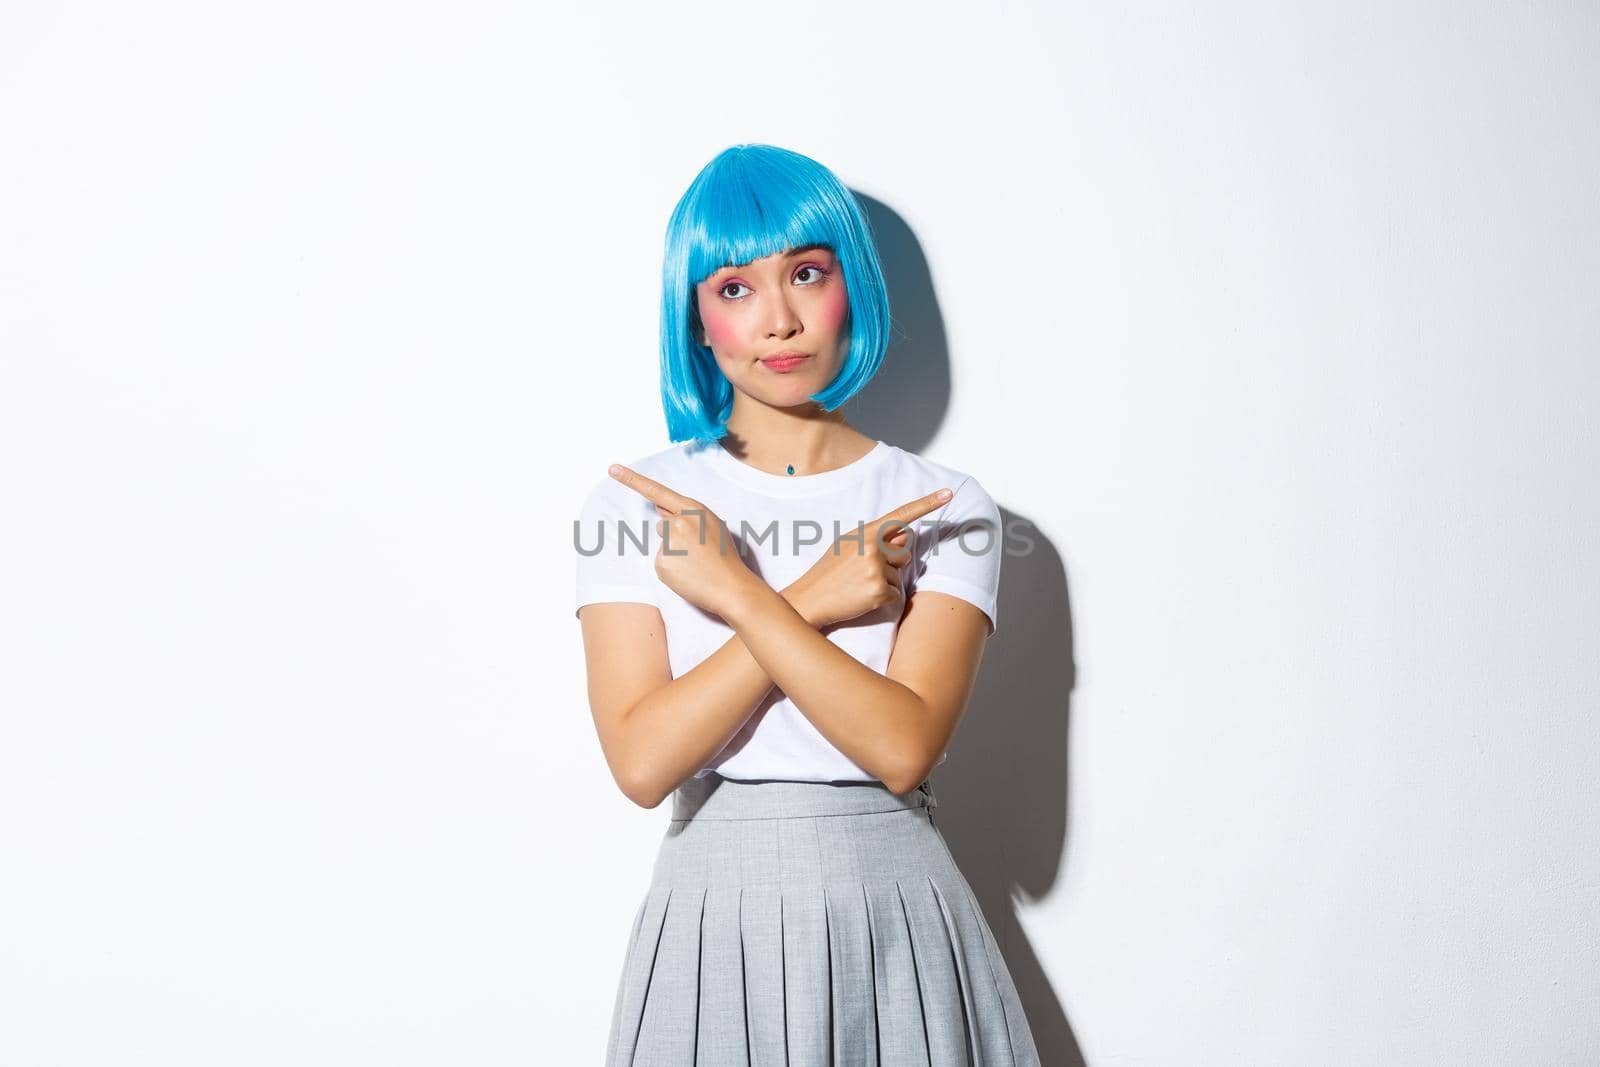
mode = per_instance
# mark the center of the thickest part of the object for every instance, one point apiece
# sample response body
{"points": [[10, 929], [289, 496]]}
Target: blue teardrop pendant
{"points": [[791, 468]]}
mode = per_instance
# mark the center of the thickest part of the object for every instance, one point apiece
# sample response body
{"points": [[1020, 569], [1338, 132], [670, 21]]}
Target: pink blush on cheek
{"points": [[719, 328], [834, 308]]}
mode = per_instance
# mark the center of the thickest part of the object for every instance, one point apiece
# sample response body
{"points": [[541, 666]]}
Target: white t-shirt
{"points": [[785, 523]]}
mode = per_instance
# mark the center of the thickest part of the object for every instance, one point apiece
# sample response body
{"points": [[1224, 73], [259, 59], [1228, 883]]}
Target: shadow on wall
{"points": [[1002, 794]]}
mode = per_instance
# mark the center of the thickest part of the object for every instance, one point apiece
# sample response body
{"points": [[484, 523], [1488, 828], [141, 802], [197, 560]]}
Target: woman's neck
{"points": [[796, 445]]}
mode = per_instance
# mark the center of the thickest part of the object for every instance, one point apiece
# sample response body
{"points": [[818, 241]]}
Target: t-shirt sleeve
{"points": [[959, 548], [614, 542]]}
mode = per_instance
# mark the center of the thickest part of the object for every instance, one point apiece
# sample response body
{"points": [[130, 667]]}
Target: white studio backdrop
{"points": [[1277, 326]]}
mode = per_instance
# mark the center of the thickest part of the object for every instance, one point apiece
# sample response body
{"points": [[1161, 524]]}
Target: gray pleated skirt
{"points": [[810, 924]]}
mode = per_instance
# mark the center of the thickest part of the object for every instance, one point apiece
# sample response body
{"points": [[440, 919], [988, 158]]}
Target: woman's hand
{"points": [[698, 559], [858, 574]]}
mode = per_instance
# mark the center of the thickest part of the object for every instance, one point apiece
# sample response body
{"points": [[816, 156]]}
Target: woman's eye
{"points": [[818, 276]]}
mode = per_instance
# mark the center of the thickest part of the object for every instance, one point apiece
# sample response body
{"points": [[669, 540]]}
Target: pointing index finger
{"points": [[909, 512], [666, 499]]}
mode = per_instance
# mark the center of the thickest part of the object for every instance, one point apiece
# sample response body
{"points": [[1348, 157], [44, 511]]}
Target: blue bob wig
{"points": [[755, 200]]}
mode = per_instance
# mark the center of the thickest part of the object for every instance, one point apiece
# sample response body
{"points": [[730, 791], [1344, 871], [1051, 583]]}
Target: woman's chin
{"points": [[792, 394]]}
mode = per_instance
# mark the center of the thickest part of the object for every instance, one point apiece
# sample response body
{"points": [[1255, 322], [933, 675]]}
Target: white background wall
{"points": [[1279, 325]]}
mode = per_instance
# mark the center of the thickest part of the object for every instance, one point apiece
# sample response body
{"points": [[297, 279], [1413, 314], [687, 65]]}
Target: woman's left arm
{"points": [[893, 725]]}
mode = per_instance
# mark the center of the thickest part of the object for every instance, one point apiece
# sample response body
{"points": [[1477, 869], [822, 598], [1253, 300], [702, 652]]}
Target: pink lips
{"points": [[786, 361]]}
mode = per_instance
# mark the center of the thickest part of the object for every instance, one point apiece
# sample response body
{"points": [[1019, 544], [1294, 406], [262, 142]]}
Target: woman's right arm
{"points": [[655, 730]]}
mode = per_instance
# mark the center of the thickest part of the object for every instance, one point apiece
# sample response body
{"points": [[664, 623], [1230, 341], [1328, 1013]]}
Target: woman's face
{"points": [[790, 302]]}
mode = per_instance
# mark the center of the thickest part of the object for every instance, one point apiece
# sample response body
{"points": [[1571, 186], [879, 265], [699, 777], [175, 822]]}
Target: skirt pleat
{"points": [[761, 926], [811, 925], [851, 978], [723, 1033], [901, 1037], [992, 1042], [808, 1009], [945, 1007]]}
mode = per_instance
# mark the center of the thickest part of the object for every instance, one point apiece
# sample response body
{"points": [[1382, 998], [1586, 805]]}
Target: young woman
{"points": [[783, 619]]}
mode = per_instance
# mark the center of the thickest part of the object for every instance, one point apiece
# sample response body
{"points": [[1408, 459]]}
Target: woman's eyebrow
{"points": [[801, 250]]}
